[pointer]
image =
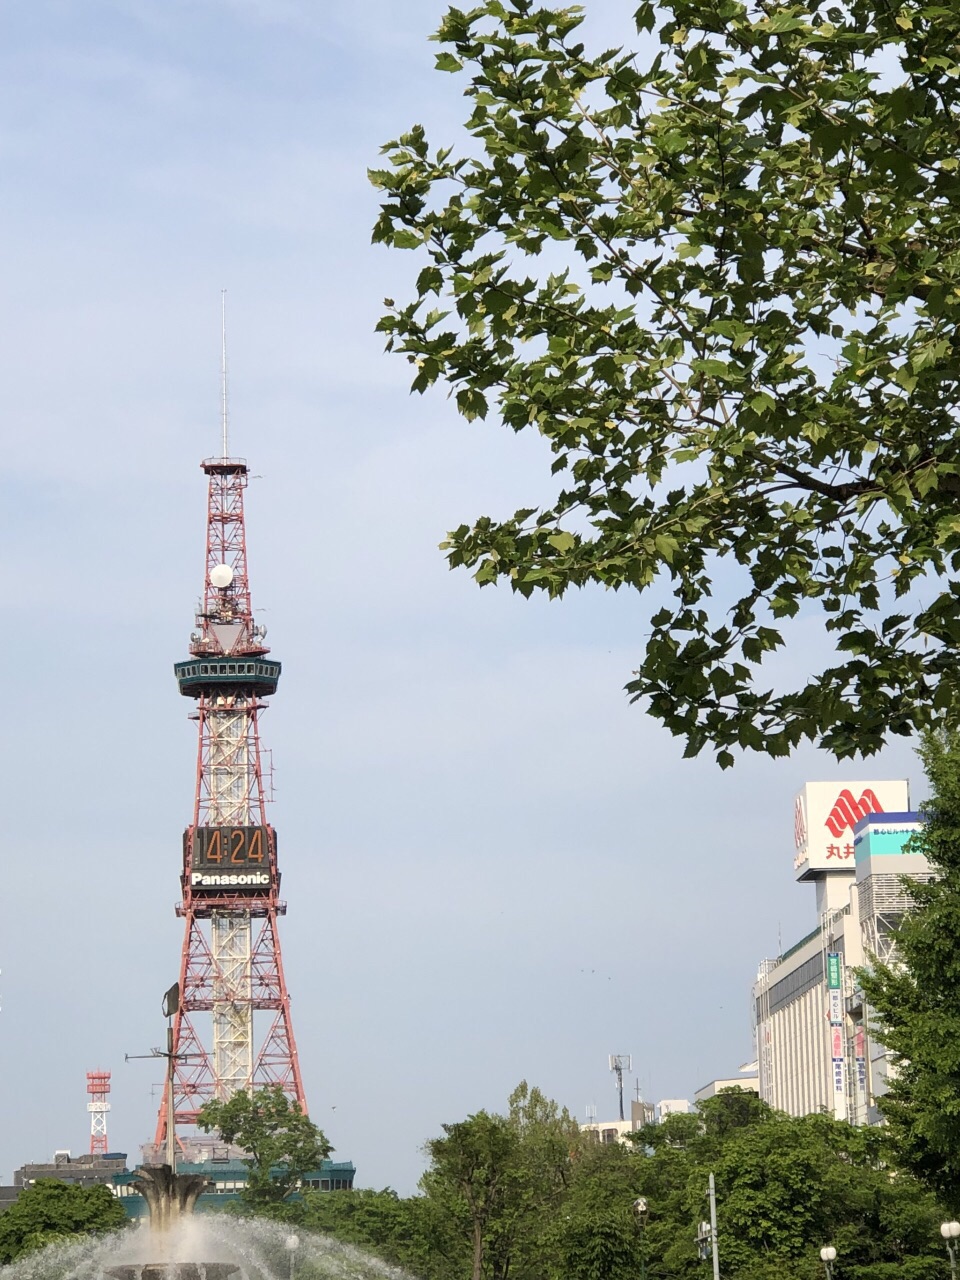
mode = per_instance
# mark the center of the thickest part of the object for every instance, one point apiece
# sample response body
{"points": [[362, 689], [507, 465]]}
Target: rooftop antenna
{"points": [[619, 1063], [223, 370], [98, 1087]]}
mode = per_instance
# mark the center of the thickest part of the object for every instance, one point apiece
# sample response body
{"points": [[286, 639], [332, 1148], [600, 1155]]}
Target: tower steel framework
{"points": [[98, 1087], [231, 967]]}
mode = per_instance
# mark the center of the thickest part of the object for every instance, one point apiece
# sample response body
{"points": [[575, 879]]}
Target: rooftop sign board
{"points": [[824, 815], [884, 835]]}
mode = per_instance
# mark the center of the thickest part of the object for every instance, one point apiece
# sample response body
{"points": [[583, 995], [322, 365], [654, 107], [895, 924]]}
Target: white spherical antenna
{"points": [[221, 575]]}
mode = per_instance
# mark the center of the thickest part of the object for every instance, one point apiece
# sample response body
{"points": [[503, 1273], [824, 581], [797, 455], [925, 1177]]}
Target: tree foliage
{"points": [[283, 1144], [50, 1210], [721, 279], [407, 1232], [785, 1187], [916, 1000], [547, 1202], [495, 1179]]}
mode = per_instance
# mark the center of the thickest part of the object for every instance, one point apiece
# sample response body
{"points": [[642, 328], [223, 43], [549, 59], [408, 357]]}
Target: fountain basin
{"points": [[173, 1271]]}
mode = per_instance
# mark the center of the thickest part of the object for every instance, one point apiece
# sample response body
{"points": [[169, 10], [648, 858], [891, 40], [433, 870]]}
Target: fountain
{"points": [[174, 1237], [170, 1196], [247, 1249]]}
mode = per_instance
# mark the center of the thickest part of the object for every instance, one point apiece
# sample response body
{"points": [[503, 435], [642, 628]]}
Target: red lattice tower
{"points": [[98, 1087], [232, 1030]]}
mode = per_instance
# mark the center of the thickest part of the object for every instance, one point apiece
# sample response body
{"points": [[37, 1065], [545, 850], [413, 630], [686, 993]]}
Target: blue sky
{"points": [[496, 868]]}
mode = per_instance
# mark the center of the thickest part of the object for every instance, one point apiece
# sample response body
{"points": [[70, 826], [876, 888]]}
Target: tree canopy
{"points": [[525, 1195], [50, 1210], [283, 1144], [720, 276], [916, 998], [495, 1180]]}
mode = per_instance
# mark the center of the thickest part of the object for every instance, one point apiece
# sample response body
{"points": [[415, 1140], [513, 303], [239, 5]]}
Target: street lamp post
{"points": [[641, 1211], [292, 1244], [828, 1256], [950, 1231]]}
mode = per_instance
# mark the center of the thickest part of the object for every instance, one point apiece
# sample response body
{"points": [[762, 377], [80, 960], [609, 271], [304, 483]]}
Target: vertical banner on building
{"points": [[835, 1008], [860, 1058]]}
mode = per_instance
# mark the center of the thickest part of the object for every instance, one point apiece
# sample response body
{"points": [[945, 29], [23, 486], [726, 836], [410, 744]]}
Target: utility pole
{"points": [[712, 1193], [171, 1003]]}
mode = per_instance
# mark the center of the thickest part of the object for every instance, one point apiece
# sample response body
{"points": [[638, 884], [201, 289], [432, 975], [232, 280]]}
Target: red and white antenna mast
{"points": [[98, 1087], [232, 1030]]}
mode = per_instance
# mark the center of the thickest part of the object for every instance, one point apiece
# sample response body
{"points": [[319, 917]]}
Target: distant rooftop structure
{"points": [[749, 1084], [87, 1170], [641, 1114], [672, 1107], [610, 1131], [228, 1177], [748, 1080]]}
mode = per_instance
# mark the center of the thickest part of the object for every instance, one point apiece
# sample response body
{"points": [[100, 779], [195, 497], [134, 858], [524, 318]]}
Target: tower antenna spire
{"points": [[223, 372]]}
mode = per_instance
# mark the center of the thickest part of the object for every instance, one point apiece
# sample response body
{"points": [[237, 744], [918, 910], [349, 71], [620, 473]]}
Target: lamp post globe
{"points": [[641, 1208], [828, 1256]]}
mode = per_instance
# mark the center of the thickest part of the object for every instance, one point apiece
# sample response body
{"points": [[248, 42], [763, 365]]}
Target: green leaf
{"points": [[447, 62]]}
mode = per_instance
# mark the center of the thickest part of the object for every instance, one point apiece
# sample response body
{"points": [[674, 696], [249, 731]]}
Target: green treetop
{"points": [[50, 1210], [721, 278], [282, 1143]]}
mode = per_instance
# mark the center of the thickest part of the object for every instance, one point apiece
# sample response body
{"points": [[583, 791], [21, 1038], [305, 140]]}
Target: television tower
{"points": [[231, 968], [98, 1087]]}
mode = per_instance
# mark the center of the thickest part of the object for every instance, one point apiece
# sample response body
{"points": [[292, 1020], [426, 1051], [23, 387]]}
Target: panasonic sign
{"points": [[207, 880]]}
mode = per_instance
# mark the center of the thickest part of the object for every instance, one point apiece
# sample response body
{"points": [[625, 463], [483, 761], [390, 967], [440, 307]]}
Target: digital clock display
{"points": [[231, 849]]}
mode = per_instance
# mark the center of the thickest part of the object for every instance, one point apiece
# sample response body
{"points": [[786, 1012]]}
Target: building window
{"points": [[796, 984]]}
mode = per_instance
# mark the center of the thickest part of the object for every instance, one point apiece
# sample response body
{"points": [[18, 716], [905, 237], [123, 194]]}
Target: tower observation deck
{"points": [[232, 1030]]}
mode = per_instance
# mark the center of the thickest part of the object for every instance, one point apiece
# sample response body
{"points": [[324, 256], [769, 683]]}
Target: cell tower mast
{"points": [[619, 1063], [231, 968], [98, 1087]]}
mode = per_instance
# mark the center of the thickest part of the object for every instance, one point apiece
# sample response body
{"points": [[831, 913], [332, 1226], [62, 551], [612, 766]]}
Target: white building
{"points": [[748, 1080], [813, 1045], [672, 1107], [641, 1113]]}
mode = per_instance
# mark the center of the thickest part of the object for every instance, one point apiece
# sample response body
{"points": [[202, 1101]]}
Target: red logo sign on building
{"points": [[799, 824], [846, 811], [825, 813]]}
